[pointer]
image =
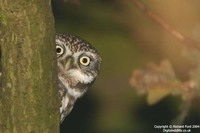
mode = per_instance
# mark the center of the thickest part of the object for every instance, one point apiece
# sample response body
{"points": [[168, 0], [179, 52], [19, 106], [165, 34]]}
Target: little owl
{"points": [[78, 66]]}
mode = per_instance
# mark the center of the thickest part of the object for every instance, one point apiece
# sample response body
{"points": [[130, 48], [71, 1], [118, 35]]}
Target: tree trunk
{"points": [[29, 99]]}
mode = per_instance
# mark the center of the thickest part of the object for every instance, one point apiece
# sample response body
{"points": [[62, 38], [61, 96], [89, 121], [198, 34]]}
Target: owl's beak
{"points": [[68, 64]]}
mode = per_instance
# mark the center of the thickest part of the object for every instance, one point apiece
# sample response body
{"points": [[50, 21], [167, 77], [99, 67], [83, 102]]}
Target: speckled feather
{"points": [[75, 43], [75, 79]]}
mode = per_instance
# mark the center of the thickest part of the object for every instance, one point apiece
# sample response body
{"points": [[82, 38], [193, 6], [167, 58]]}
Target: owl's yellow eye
{"points": [[85, 61], [59, 50]]}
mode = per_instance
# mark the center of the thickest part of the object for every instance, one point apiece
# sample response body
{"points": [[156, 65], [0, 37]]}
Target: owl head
{"points": [[78, 63]]}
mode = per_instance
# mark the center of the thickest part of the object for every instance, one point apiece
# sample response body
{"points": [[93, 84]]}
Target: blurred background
{"points": [[129, 39]]}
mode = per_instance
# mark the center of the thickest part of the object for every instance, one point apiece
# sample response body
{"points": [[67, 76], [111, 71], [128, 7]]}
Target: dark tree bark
{"points": [[29, 99]]}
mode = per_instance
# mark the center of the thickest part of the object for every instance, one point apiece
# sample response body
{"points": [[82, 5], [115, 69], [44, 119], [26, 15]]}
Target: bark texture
{"points": [[29, 100]]}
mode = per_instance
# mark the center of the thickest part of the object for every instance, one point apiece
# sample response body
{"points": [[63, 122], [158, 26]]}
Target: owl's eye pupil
{"points": [[59, 50], [85, 60]]}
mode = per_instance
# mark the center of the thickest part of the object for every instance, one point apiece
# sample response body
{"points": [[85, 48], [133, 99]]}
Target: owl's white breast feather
{"points": [[80, 76], [75, 93], [65, 101]]}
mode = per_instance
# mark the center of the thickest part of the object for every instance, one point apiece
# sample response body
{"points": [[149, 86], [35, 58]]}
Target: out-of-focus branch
{"points": [[179, 36], [179, 120], [160, 81]]}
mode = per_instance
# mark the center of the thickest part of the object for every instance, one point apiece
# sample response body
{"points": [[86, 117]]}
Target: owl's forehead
{"points": [[74, 44]]}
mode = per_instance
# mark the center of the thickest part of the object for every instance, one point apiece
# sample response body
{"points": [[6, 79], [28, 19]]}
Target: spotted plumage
{"points": [[78, 66]]}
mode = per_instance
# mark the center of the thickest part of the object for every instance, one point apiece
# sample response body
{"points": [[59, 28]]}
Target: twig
{"points": [[179, 36], [184, 112]]}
